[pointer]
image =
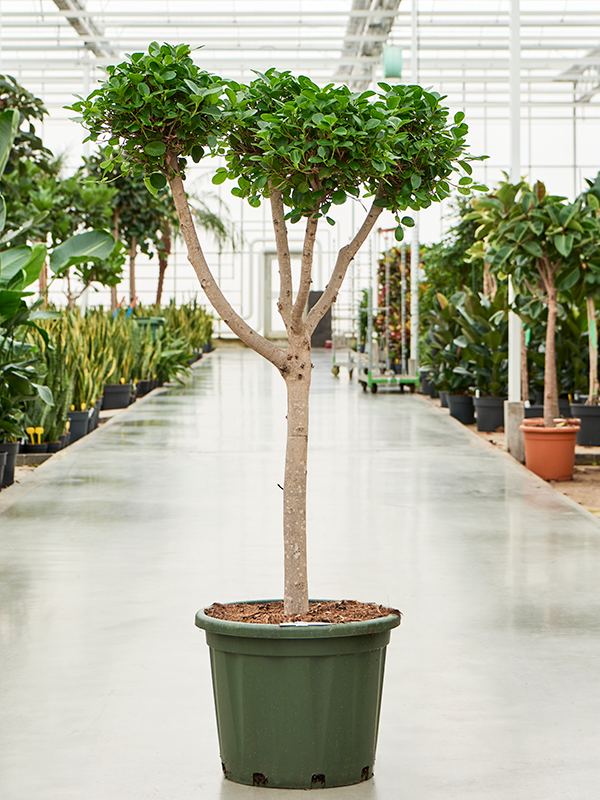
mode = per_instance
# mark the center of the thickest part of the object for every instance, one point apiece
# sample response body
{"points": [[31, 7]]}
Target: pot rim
{"points": [[540, 428], [259, 631]]}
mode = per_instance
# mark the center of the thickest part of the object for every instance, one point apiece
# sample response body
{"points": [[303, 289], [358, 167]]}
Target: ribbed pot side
{"points": [[297, 707]]}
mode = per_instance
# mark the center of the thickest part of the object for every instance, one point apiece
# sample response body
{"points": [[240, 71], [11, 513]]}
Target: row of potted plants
{"points": [[85, 362]]}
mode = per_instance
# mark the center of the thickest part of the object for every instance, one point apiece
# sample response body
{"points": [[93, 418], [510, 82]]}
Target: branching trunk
{"points": [[490, 285], [293, 363], [219, 302], [550, 382], [593, 346], [132, 256]]}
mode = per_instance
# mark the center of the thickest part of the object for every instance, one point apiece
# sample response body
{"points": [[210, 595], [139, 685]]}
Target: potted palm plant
{"points": [[282, 671], [546, 245]]}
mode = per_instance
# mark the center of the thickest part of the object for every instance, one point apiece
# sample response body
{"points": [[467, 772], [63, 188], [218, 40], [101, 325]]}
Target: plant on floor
{"points": [[546, 245], [306, 149]]}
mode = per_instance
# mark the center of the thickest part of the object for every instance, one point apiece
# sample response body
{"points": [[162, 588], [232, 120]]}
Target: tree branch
{"points": [[216, 297], [344, 258], [286, 289], [306, 274]]}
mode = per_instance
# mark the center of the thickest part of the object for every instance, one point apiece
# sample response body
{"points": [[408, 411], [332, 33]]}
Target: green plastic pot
{"points": [[297, 706]]}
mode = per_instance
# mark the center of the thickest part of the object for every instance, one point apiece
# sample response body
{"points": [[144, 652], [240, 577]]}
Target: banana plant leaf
{"points": [[83, 247]]}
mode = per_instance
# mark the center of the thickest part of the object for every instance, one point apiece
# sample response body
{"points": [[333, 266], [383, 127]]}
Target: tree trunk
{"points": [[163, 262], [297, 381], [524, 371], [550, 383], [132, 255], [593, 344], [113, 289], [44, 281], [490, 285]]}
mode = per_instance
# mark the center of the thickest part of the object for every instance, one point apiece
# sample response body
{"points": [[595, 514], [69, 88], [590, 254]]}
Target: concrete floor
{"points": [[107, 551]]}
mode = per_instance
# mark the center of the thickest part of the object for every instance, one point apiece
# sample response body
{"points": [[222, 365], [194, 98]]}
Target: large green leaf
{"points": [[21, 266], [564, 243], [9, 125], [88, 246]]}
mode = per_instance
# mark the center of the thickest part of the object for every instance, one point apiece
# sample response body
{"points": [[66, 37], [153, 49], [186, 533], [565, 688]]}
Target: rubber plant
{"points": [[547, 245], [306, 150]]}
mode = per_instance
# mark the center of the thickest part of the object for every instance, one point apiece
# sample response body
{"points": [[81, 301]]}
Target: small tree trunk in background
{"points": [[44, 280], [490, 284], [163, 263], [593, 343], [113, 289], [550, 382], [524, 372], [297, 381], [132, 255]]}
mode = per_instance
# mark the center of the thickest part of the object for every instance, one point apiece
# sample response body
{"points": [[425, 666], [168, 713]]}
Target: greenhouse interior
{"points": [[246, 247]]}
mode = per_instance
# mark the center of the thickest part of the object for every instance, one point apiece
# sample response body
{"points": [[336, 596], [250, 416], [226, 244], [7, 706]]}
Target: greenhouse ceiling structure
{"points": [[461, 48]]}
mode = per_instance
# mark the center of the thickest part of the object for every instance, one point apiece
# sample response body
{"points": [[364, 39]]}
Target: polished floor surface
{"points": [[493, 680]]}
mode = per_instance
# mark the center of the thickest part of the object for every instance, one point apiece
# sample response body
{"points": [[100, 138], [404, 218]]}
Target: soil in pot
{"points": [[297, 703], [550, 452], [461, 408], [11, 449], [490, 413], [589, 431]]}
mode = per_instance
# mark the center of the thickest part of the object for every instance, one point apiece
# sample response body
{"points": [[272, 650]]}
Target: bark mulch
{"points": [[332, 611]]}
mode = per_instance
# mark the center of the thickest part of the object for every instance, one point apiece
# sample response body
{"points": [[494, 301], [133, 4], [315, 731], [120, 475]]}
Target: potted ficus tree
{"points": [[546, 245], [305, 149]]}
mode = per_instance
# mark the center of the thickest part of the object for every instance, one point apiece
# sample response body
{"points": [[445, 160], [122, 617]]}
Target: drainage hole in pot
{"points": [[318, 780], [365, 774], [258, 779]]}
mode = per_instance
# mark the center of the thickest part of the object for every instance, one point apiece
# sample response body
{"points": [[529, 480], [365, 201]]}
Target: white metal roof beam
{"points": [[86, 29]]}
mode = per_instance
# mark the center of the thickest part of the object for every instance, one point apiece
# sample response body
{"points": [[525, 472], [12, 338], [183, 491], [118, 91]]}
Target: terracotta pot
{"points": [[550, 452]]}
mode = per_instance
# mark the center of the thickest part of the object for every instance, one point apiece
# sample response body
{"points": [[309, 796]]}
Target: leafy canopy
{"points": [[317, 146], [320, 145], [153, 103], [526, 232]]}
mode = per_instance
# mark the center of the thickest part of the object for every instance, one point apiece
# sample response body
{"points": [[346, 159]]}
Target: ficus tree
{"points": [[546, 245], [305, 149]]}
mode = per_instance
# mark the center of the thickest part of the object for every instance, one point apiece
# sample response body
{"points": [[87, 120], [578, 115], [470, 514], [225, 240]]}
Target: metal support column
{"points": [[514, 409], [414, 251]]}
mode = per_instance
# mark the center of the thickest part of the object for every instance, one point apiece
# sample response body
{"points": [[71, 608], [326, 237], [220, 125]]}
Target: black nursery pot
{"points": [[11, 449], [54, 447], [444, 399], [3, 457], [35, 448], [461, 408], [116, 395], [143, 387], [490, 413], [588, 434], [78, 424]]}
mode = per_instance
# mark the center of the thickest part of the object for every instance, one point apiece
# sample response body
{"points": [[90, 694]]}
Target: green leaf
{"points": [[415, 181], [408, 222], [158, 180], [155, 148], [569, 280], [564, 243], [533, 249], [219, 178], [399, 233], [197, 152], [9, 125], [45, 393], [80, 248], [339, 197]]}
